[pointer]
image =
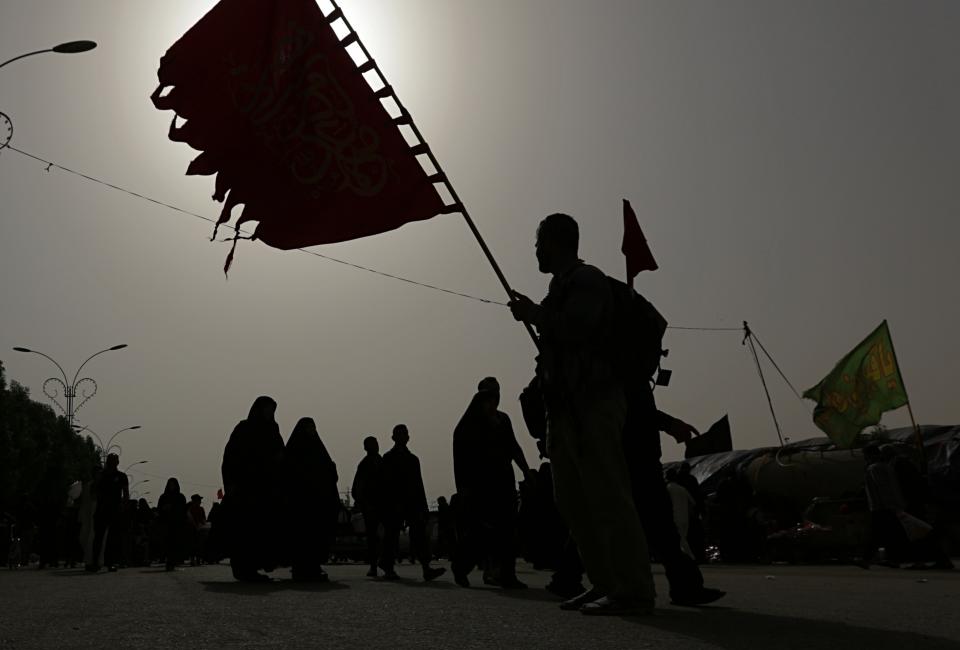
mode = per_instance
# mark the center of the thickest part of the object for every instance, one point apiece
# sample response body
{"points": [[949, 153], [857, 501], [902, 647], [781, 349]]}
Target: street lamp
{"points": [[139, 462], [73, 47], [105, 449], [69, 388], [146, 480]]}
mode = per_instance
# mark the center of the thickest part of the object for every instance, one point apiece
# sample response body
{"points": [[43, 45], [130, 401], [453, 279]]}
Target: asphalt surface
{"points": [[776, 607]]}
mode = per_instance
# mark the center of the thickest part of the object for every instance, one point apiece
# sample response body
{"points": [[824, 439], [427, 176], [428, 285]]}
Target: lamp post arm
{"points": [[110, 444], [17, 58], [94, 434], [85, 363], [66, 382], [110, 441]]}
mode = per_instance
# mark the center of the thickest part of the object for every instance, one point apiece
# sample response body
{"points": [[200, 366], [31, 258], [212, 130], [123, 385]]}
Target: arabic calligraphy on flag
{"points": [[863, 385], [290, 126]]}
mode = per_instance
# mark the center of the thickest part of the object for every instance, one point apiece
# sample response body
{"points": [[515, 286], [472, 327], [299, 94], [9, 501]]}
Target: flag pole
{"points": [[386, 91], [748, 340], [916, 429], [916, 433]]}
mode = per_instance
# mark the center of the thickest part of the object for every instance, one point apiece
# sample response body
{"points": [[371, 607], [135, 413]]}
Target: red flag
{"points": [[287, 122], [220, 494], [634, 247]]}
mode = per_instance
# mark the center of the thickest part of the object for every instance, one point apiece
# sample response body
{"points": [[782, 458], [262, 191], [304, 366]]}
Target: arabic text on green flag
{"points": [[859, 389]]}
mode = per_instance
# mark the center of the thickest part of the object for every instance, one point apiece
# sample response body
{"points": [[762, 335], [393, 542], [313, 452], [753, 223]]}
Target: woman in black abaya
{"points": [[311, 479], [253, 484]]}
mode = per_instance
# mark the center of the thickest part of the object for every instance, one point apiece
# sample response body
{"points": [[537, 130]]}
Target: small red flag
{"points": [[290, 126], [220, 494], [634, 247]]}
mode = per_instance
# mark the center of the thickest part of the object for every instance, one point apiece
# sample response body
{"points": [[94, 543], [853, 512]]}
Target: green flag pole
{"points": [[916, 429]]}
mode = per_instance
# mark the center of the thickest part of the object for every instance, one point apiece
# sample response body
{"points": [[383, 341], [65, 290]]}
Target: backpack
{"points": [[636, 340]]}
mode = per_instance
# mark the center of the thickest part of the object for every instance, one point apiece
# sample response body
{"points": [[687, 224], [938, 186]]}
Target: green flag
{"points": [[859, 389]]}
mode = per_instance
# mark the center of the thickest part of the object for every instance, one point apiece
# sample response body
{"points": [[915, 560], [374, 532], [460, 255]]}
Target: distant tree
{"points": [[40, 455]]}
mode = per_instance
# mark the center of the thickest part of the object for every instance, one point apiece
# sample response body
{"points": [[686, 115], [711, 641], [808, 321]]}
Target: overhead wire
{"points": [[757, 339], [51, 164], [144, 197], [753, 350]]}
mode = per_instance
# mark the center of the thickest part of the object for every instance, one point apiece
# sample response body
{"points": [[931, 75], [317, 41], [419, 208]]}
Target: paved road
{"points": [[768, 607]]}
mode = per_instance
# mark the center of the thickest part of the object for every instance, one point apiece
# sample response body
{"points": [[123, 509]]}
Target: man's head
{"points": [[370, 445], [492, 386], [400, 435], [196, 498], [113, 461], [558, 238]]}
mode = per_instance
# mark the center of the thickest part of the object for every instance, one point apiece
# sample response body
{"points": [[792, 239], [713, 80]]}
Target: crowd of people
{"points": [[597, 507], [604, 479], [102, 527]]}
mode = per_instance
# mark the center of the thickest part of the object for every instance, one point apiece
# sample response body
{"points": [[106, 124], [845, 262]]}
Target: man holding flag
{"points": [[586, 410]]}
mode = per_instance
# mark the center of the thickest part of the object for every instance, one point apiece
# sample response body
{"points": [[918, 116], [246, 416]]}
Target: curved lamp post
{"points": [[69, 388], [139, 462], [73, 47], [105, 449]]}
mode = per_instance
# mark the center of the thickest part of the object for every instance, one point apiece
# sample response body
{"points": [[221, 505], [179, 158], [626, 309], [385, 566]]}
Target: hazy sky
{"points": [[792, 164]]}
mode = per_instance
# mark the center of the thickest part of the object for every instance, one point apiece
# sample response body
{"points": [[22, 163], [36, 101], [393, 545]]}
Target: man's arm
{"points": [[356, 490], [676, 428], [516, 451], [421, 492], [125, 488], [586, 298]]}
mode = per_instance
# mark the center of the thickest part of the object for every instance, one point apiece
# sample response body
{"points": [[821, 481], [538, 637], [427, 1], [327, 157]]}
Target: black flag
{"points": [[716, 440]]}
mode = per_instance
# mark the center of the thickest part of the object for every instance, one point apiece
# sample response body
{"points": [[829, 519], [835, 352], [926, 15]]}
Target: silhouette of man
{"points": [[586, 411], [404, 500], [366, 493], [484, 450], [113, 490]]}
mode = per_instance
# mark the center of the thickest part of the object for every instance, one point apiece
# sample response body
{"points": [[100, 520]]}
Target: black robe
{"points": [[253, 484], [312, 498]]}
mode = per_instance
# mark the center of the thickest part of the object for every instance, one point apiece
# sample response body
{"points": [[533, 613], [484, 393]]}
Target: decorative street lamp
{"points": [[69, 388], [139, 462], [73, 47], [105, 449]]}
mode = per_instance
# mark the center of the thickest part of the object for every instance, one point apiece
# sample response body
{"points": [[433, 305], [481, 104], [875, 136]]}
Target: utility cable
{"points": [[360, 267], [51, 164]]}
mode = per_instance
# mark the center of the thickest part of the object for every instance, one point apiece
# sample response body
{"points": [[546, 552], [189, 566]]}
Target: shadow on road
{"points": [[69, 573], [263, 588], [733, 629], [532, 594], [420, 584]]}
